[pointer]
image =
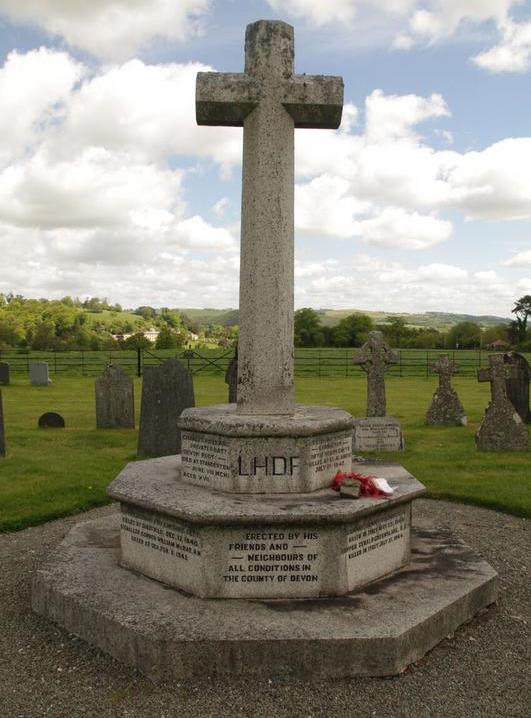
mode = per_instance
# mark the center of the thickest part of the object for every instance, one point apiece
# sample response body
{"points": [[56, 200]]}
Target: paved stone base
{"points": [[169, 635], [377, 433]]}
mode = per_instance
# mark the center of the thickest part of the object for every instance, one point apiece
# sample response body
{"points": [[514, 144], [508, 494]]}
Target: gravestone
{"points": [[39, 374], [518, 386], [377, 432], [2, 430], [501, 428], [231, 378], [115, 399], [4, 373], [247, 511], [166, 391], [51, 420], [445, 408]]}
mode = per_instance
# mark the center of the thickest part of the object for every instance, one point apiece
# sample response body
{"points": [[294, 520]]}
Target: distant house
{"points": [[150, 334], [497, 345]]}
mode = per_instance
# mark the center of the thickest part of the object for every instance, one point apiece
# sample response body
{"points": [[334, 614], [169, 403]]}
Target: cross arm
{"points": [[224, 98], [391, 356], [483, 374], [361, 356], [314, 101]]}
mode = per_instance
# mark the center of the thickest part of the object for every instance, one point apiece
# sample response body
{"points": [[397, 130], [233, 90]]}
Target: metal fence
{"points": [[326, 362]]}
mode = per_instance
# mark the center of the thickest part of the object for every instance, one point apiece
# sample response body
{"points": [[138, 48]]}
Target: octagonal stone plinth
{"points": [[228, 451], [222, 545]]}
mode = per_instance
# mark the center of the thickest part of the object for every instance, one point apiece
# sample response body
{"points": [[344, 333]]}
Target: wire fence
{"points": [[326, 362]]}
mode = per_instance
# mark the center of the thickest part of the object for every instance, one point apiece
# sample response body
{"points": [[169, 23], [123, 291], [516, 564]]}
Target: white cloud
{"points": [[442, 287], [33, 88], [324, 206], [111, 29], [195, 233], [95, 188], [147, 110], [512, 53], [391, 117], [318, 12], [521, 259], [394, 227]]}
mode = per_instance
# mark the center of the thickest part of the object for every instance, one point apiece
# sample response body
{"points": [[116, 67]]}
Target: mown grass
{"points": [[52, 473]]}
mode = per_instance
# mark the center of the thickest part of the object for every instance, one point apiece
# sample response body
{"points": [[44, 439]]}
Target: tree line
{"points": [[352, 331], [94, 323]]}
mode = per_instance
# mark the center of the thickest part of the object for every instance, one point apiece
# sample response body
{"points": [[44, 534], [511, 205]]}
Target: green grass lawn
{"points": [[51, 473]]}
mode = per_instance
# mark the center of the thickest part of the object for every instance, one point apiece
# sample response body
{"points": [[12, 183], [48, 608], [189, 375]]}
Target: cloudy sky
{"points": [[420, 201]]}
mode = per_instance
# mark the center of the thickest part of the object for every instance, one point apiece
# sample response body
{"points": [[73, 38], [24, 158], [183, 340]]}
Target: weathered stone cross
{"points": [[497, 373], [375, 358], [444, 367], [269, 101]]}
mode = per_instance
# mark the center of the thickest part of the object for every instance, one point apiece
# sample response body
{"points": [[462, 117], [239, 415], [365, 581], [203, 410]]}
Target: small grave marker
{"points": [[445, 407], [5, 373], [231, 378], [518, 386], [2, 430], [501, 428], [39, 374], [51, 420], [166, 391], [115, 399]]}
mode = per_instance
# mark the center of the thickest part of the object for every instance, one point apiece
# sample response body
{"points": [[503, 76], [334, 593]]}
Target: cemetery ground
{"points": [[480, 671], [52, 473]]}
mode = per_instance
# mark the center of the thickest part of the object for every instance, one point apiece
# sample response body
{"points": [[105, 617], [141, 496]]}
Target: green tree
{"points": [[352, 331], [464, 335], [522, 311], [308, 328], [137, 341], [167, 339]]}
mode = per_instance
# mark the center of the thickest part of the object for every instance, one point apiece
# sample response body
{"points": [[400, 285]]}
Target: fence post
{"points": [[27, 361], [55, 361], [427, 363], [400, 362], [139, 361], [82, 363]]}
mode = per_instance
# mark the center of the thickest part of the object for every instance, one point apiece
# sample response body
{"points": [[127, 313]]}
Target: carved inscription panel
{"points": [[205, 458], [377, 436], [272, 563], [380, 546], [160, 546], [330, 454]]}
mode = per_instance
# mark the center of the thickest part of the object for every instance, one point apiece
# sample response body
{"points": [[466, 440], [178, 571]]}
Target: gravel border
{"points": [[481, 670]]}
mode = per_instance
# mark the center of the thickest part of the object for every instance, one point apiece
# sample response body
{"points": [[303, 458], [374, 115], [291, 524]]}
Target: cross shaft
{"points": [[269, 101]]}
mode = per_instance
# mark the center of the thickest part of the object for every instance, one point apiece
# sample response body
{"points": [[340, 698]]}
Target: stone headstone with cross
{"points": [[2, 430], [115, 399], [378, 432], [445, 408], [518, 385], [166, 391], [501, 428]]}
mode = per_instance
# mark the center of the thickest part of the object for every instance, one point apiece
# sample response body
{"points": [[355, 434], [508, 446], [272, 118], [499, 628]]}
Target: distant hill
{"points": [[330, 317]]}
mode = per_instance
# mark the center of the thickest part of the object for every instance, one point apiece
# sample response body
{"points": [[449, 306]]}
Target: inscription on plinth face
{"points": [[160, 546], [377, 435], [271, 563], [205, 458], [264, 464], [380, 545]]}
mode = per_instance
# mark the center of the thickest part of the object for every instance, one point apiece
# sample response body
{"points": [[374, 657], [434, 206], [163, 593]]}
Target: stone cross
{"points": [[445, 367], [497, 373], [269, 101], [375, 357]]}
